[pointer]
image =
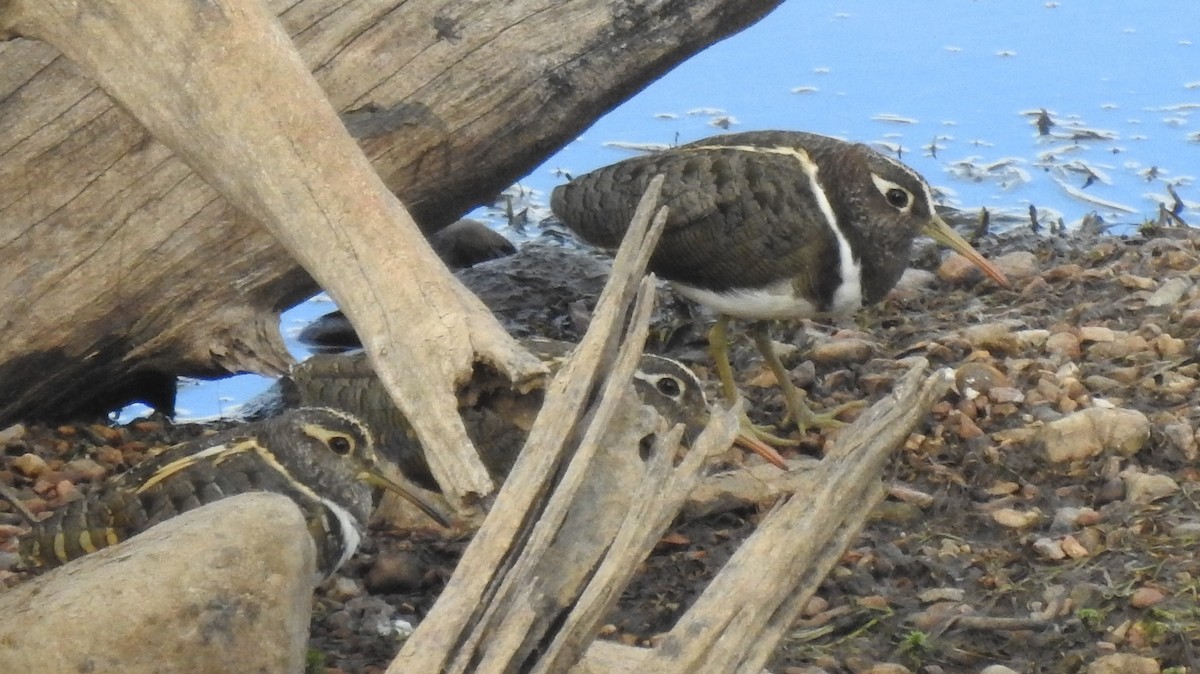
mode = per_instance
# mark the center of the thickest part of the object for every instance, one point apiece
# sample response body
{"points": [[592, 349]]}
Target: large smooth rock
{"points": [[223, 588]]}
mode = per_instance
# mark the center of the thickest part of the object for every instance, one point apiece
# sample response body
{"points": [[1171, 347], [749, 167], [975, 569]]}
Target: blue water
{"points": [[969, 76]]}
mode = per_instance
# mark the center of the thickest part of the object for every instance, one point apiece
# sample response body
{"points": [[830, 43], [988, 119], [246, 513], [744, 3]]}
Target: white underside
{"points": [[776, 301]]}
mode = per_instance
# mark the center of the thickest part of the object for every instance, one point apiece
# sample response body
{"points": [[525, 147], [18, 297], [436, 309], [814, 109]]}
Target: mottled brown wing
{"points": [[738, 218]]}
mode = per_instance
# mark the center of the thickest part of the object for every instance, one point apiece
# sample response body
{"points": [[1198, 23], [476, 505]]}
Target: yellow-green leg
{"points": [[798, 410], [718, 349]]}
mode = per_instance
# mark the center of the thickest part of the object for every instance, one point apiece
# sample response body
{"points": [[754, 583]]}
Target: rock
{"points": [[998, 669], [1145, 597], [30, 465], [889, 667], [1169, 293], [1123, 663], [1019, 264], [841, 351], [12, 435], [468, 242], [974, 379], [1015, 519], [226, 587], [915, 279], [997, 336], [1146, 487], [1089, 432]]}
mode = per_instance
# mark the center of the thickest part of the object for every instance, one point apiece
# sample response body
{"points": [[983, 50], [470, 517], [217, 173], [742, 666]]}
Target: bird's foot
{"points": [[799, 411], [765, 434]]}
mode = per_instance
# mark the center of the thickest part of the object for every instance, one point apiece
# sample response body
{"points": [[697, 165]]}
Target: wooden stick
{"points": [[448, 634], [736, 624]]}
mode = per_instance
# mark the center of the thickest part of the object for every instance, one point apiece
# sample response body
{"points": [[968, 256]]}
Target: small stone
{"points": [[1146, 487], [342, 588], [888, 668], [841, 351], [30, 465], [1096, 333], [916, 279], [1020, 264], [1169, 293], [1181, 436], [996, 337], [1089, 432], [1145, 597], [975, 379], [1033, 338], [1049, 548], [1136, 282], [1006, 395], [394, 572], [1186, 530], [12, 435], [910, 495], [1073, 548], [998, 669], [85, 469], [937, 594], [1168, 346], [1015, 519], [1064, 344]]}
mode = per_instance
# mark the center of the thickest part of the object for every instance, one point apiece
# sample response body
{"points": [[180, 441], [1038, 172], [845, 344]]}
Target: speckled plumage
{"points": [[744, 213], [315, 456]]}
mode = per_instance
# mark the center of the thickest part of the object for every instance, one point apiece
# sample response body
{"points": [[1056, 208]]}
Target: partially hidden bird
{"points": [[497, 418], [323, 459], [769, 225]]}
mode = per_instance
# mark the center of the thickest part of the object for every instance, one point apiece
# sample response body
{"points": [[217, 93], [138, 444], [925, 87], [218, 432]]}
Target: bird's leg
{"points": [[718, 349], [798, 410]]}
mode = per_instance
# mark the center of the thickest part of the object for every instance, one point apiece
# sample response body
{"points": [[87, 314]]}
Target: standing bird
{"points": [[497, 418], [769, 225], [323, 459]]}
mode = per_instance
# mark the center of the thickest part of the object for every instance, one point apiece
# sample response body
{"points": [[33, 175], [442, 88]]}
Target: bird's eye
{"points": [[898, 197], [341, 444], [669, 386]]}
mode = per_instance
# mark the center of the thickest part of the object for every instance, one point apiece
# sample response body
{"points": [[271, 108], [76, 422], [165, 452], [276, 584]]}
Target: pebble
{"points": [[30, 465], [1090, 432], [1169, 293], [1049, 548], [1147, 488], [996, 337], [888, 667], [1123, 663], [1073, 548], [12, 435], [1144, 597], [1015, 519], [998, 669], [975, 378], [1017, 265], [1064, 344], [937, 594], [394, 572], [841, 351]]}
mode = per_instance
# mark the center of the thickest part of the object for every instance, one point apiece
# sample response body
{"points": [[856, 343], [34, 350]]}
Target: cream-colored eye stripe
{"points": [[326, 435], [883, 185]]}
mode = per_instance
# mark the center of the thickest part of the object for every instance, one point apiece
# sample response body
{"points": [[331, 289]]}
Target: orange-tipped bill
{"points": [[753, 444], [939, 231]]}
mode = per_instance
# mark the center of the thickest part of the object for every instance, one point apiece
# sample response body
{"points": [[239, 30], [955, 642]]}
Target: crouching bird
{"points": [[323, 459]]}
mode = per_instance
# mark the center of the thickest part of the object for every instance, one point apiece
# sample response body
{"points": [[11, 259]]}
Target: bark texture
{"points": [[121, 265]]}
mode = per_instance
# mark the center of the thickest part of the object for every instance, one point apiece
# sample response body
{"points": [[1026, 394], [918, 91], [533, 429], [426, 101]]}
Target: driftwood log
{"points": [[157, 224]]}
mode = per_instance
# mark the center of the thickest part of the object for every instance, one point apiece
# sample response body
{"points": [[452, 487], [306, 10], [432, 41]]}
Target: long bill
{"points": [[939, 231], [409, 492], [767, 452]]}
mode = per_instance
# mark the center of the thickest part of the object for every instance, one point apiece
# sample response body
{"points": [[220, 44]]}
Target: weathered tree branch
{"points": [[120, 267]]}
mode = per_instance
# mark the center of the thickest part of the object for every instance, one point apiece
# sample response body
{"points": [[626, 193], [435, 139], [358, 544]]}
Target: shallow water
{"points": [[966, 78]]}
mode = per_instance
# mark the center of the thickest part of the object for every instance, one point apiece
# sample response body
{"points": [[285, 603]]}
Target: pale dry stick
{"points": [[736, 624], [494, 548], [221, 84], [652, 507], [577, 523]]}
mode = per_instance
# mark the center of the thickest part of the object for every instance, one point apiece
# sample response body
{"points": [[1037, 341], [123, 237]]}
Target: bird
{"points": [[497, 417], [321, 458], [766, 225]]}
